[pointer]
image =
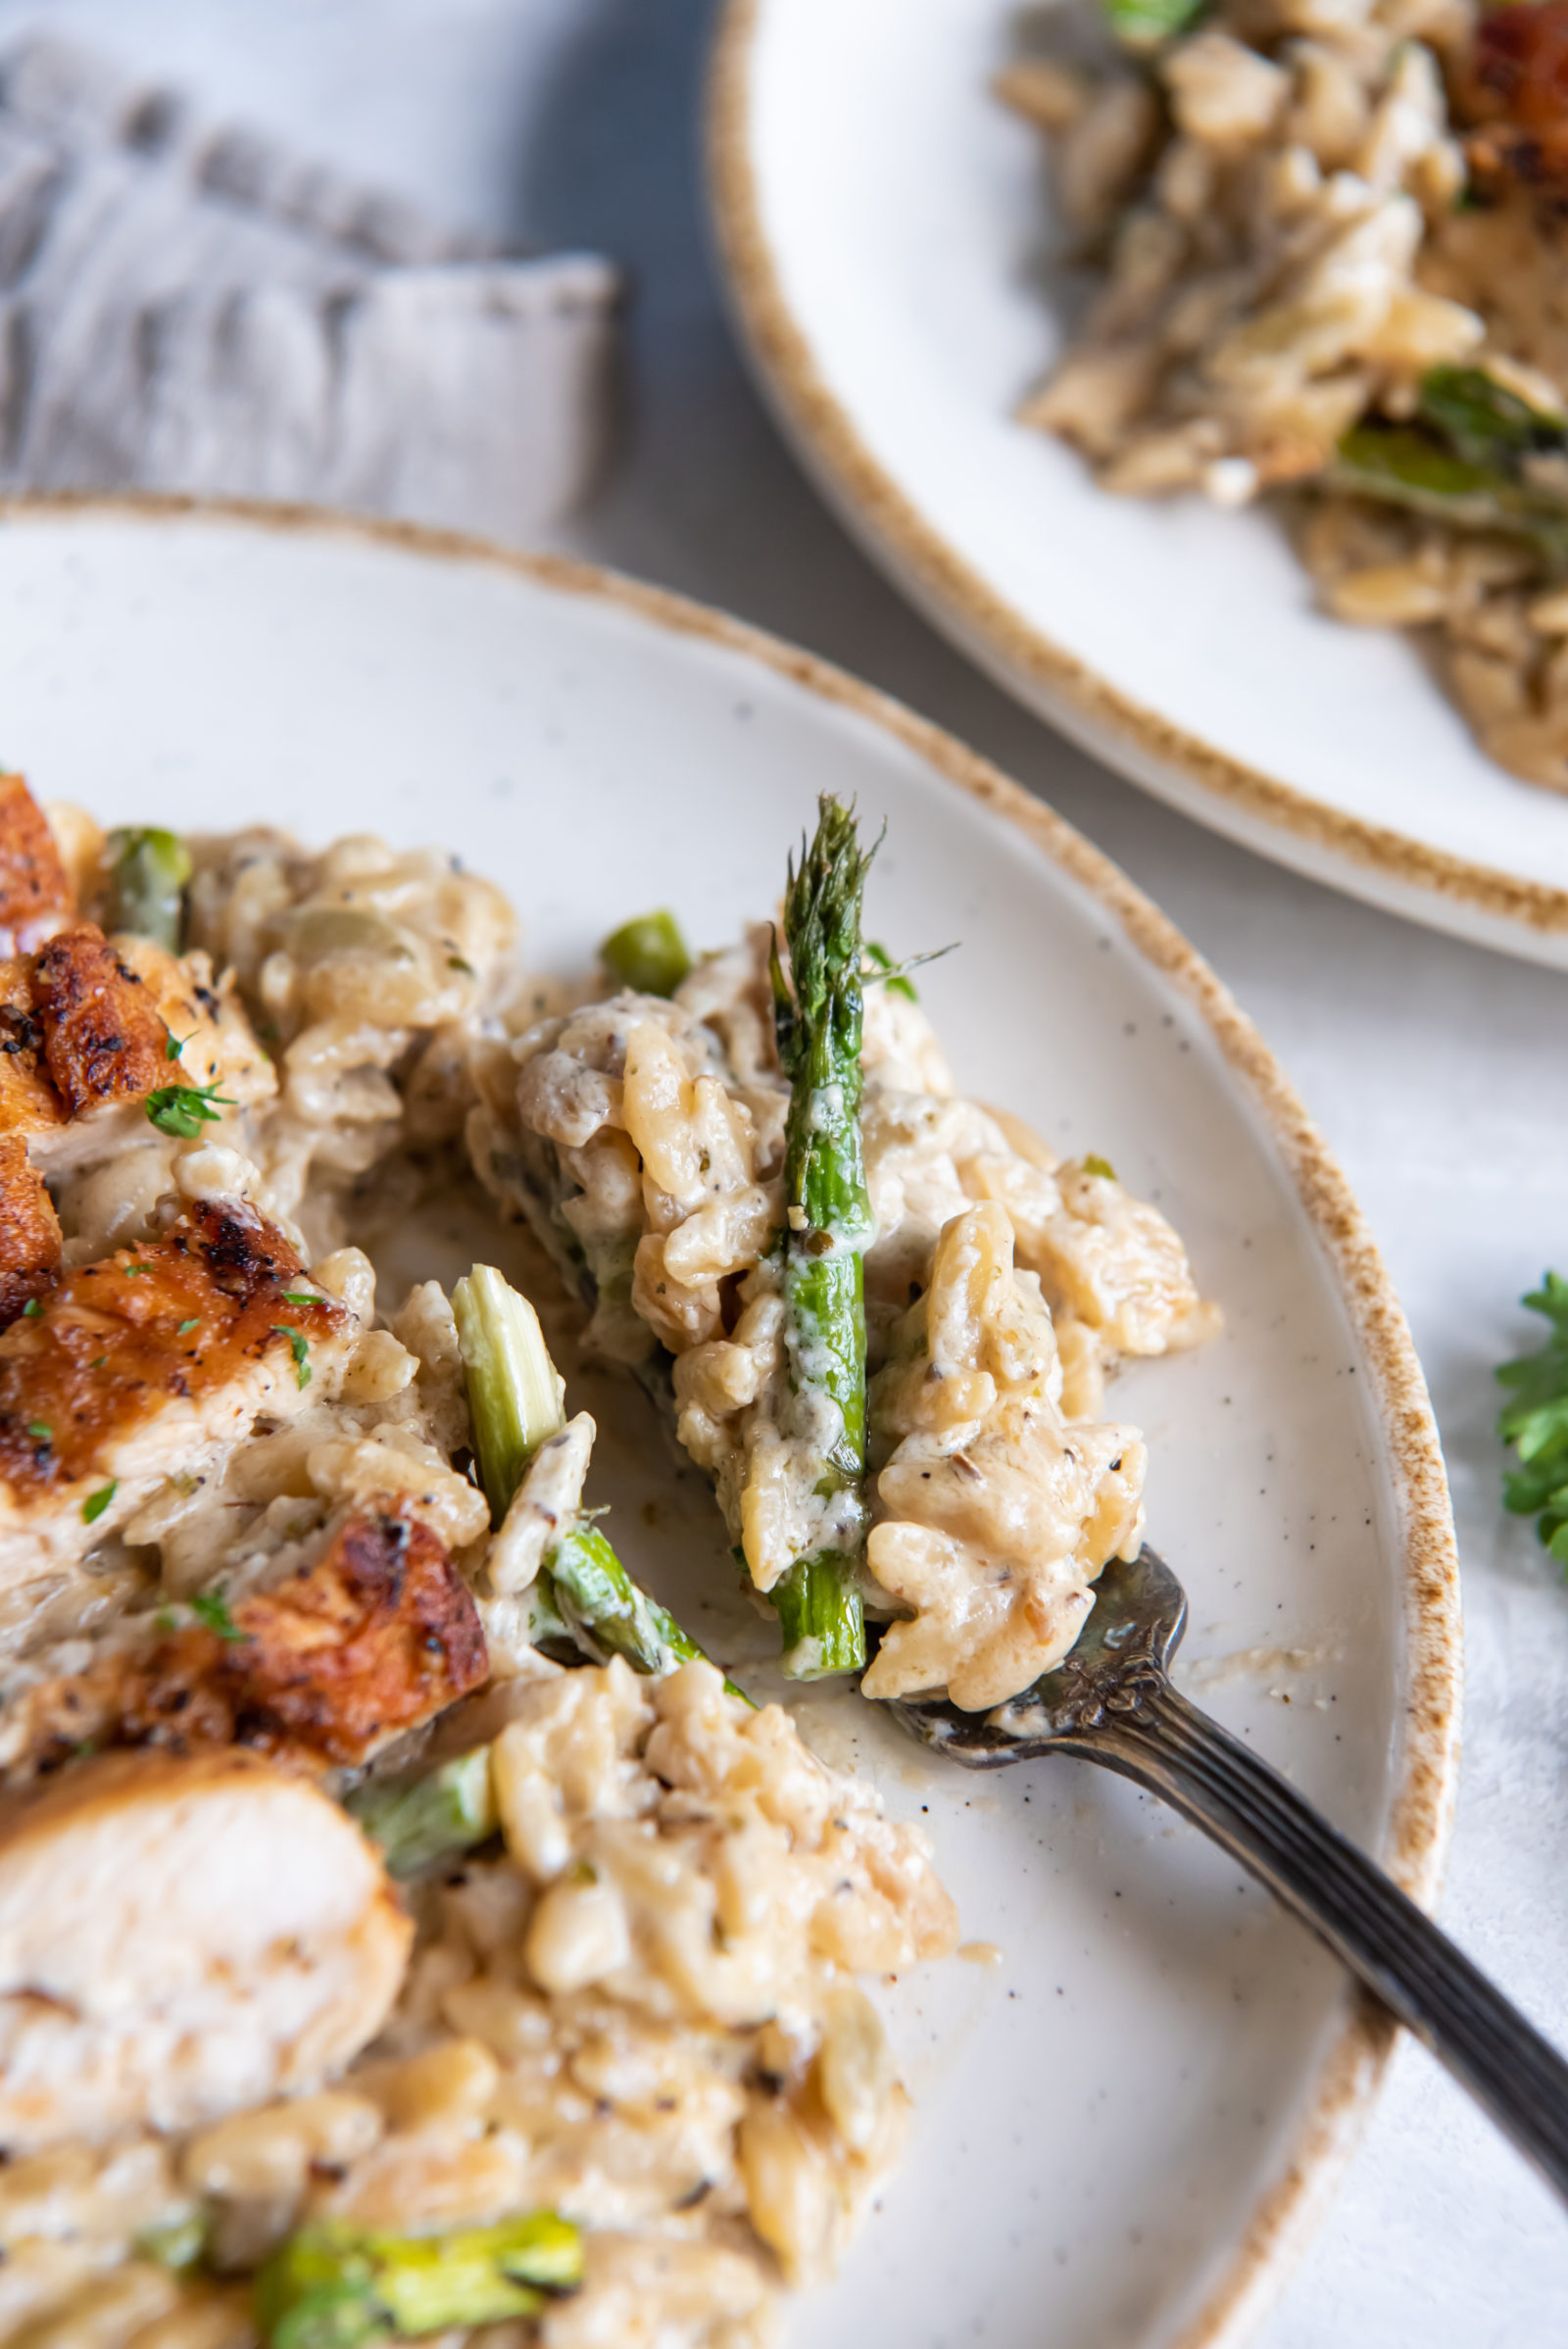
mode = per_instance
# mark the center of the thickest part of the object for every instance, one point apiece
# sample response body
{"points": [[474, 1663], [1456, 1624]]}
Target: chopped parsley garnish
{"points": [[456, 962], [174, 1045], [93, 1507], [210, 1607], [33, 1309], [1099, 1167], [299, 1346], [300, 1296], [181, 1111], [41, 1430], [185, 1327], [1535, 1423]]}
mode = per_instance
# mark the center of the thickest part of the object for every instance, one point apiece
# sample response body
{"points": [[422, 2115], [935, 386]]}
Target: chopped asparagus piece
{"points": [[516, 1398], [648, 953], [1474, 455], [516, 1402], [1144, 23], [818, 1016], [177, 2245], [609, 1611], [545, 1618], [1483, 420], [821, 1623], [148, 871], [420, 1820], [333, 2287], [593, 1589]]}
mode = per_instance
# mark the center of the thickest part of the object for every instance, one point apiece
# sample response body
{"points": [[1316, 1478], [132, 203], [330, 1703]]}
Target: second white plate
{"points": [[882, 217]]}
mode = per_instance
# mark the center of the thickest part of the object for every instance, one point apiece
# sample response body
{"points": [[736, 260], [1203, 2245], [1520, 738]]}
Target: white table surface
{"points": [[1436, 1069]]}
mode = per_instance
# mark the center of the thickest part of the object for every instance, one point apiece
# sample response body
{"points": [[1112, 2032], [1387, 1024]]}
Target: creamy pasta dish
{"points": [[1324, 236], [405, 1931]]}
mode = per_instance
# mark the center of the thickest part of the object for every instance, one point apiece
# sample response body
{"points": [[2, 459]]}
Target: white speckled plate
{"points": [[1125, 2124], [882, 218]]}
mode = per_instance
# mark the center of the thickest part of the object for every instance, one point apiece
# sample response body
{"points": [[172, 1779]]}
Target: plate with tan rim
{"points": [[1126, 2120], [882, 219]]}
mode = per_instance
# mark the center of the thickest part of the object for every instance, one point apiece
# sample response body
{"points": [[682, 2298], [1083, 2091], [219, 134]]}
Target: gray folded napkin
{"points": [[186, 306]]}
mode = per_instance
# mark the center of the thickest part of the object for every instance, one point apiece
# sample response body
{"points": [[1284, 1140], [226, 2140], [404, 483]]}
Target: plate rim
{"points": [[1434, 885], [1426, 1760]]}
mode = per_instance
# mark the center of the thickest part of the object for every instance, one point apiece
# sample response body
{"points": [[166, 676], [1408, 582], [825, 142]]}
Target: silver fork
{"points": [[1112, 1701]]}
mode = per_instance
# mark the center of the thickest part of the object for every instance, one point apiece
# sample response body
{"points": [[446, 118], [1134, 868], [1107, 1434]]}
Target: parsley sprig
{"points": [[181, 1111], [299, 1346], [1535, 1423], [210, 1607]]}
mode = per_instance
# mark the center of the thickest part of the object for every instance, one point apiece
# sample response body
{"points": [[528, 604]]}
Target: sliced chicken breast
{"points": [[36, 893], [179, 1938], [149, 1365], [371, 1634]]}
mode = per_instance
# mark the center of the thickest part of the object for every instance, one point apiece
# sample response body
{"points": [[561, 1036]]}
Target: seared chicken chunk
{"points": [[30, 1231], [180, 1937], [36, 891], [93, 1036], [96, 1034], [371, 1634], [103, 1039], [148, 1366], [92, 1024]]}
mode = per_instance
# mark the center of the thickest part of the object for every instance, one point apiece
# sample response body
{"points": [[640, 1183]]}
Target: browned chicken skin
{"points": [[36, 891], [89, 1027], [374, 1636], [178, 1320], [103, 1038], [30, 1231]]}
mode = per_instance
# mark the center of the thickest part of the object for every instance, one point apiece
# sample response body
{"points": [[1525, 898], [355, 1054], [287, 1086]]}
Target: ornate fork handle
{"points": [[1152, 1735]]}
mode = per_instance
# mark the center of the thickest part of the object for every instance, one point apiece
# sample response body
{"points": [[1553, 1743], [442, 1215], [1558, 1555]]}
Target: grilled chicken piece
{"points": [[36, 891], [371, 1636], [89, 1027], [30, 1231], [148, 1365], [87, 1030], [104, 1038], [1515, 88], [179, 1938]]}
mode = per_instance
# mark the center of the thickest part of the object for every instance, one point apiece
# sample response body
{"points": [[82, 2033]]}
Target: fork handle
{"points": [[1168, 1746]]}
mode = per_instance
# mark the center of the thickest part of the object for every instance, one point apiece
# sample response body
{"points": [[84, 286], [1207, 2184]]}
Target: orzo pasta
{"points": [[1327, 238]]}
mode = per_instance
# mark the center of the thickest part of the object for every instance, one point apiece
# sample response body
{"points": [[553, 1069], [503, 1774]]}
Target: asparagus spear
{"points": [[648, 953], [817, 1010], [148, 871], [430, 1816], [340, 2288], [516, 1402]]}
